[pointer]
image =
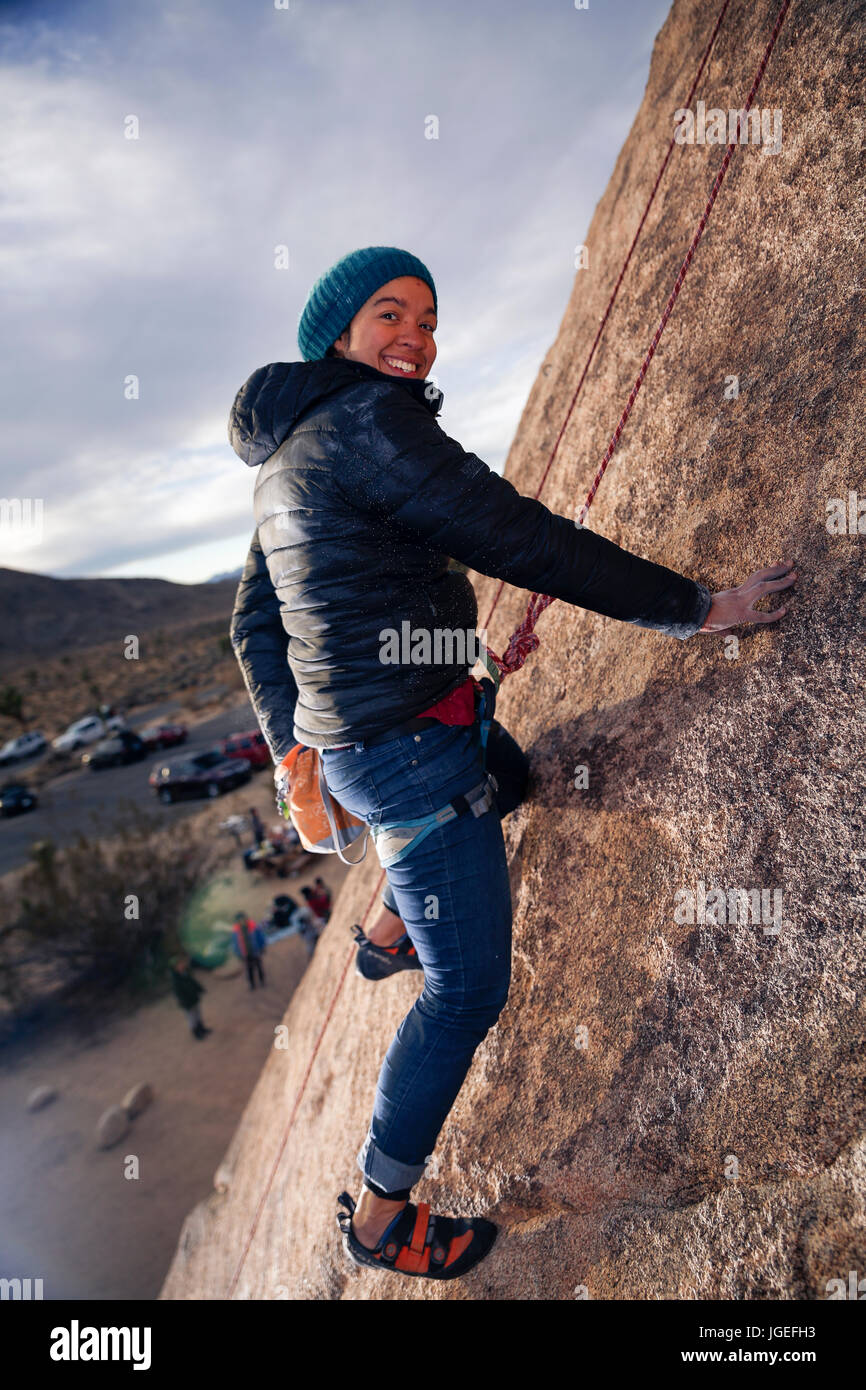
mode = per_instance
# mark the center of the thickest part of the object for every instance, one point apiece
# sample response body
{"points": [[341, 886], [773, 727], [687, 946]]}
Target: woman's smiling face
{"points": [[396, 325]]}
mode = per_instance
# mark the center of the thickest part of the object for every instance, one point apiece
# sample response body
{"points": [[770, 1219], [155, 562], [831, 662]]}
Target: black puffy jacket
{"points": [[261, 646], [360, 500]]}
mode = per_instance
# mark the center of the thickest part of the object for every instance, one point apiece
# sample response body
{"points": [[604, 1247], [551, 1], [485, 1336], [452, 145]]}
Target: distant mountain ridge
{"points": [[41, 614], [234, 574]]}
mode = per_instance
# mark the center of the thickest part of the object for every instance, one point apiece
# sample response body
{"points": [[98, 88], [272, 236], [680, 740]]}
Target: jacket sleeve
{"points": [[260, 644], [400, 463]]}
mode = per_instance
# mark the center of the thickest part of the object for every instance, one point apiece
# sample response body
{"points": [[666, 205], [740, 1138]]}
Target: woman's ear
{"points": [[341, 346]]}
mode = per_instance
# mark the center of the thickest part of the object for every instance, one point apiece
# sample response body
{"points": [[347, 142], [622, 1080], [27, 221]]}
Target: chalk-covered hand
{"points": [[732, 607]]}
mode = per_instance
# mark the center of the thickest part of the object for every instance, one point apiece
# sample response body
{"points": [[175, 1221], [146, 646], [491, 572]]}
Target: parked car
{"points": [[86, 730], [24, 746], [164, 736], [251, 746], [124, 747], [200, 774], [15, 798]]}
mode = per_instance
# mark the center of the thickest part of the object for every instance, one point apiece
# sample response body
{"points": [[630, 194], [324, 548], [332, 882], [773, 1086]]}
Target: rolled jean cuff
{"points": [[387, 1173], [389, 900]]}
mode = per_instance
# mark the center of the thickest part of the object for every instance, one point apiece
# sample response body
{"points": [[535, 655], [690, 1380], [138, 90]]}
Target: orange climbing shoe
{"points": [[419, 1244]]}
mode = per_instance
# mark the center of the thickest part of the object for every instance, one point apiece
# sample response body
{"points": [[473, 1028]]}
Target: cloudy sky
{"points": [[260, 127]]}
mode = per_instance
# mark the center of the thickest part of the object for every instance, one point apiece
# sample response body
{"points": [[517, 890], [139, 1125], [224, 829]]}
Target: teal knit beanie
{"points": [[337, 295]]}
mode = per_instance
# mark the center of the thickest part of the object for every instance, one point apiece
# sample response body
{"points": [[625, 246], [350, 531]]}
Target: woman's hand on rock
{"points": [[732, 607]]}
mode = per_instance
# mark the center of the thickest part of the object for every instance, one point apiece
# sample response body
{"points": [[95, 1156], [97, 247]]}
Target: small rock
{"points": [[137, 1099], [42, 1096], [112, 1126]]}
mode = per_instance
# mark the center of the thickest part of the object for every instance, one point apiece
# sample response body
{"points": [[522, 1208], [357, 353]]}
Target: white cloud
{"points": [[258, 127]]}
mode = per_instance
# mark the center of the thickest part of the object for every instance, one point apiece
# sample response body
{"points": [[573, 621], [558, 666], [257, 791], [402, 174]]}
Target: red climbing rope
{"points": [[606, 315], [524, 639], [291, 1120]]}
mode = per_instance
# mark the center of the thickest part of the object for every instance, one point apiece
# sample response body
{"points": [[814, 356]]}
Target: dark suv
{"points": [[199, 774], [123, 747], [16, 798]]}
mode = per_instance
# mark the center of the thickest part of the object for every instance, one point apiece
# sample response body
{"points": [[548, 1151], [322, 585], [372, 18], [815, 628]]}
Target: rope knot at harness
{"points": [[518, 649], [524, 638]]}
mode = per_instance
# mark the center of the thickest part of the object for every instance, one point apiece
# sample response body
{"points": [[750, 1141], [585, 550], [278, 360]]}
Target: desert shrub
{"points": [[99, 917], [12, 703]]}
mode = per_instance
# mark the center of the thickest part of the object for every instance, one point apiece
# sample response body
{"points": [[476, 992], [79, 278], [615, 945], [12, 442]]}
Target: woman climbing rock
{"points": [[361, 499]]}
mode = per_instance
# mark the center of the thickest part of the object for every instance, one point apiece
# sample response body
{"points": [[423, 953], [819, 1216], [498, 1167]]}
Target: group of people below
{"points": [[275, 853], [307, 918], [250, 941]]}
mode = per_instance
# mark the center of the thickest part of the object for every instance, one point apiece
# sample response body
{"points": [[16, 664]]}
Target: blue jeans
{"points": [[453, 894]]}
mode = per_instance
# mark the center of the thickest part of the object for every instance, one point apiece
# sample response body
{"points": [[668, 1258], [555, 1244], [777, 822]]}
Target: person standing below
{"points": [[358, 511], [281, 911], [187, 992], [318, 903], [303, 923], [249, 944], [320, 899], [257, 826]]}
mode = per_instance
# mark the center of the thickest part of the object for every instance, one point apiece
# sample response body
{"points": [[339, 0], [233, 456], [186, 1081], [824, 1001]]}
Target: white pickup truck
{"points": [[87, 730]]}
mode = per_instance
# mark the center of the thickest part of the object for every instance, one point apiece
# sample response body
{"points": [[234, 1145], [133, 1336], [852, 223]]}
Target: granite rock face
{"points": [[667, 1108]]}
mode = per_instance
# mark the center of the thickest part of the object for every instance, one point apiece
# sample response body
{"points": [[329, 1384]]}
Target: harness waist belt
{"points": [[394, 842]]}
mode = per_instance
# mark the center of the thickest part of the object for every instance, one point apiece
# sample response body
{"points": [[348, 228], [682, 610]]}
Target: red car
{"points": [[164, 736], [251, 746]]}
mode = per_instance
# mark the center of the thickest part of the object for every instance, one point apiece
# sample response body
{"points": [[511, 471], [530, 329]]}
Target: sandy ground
{"points": [[68, 1214]]}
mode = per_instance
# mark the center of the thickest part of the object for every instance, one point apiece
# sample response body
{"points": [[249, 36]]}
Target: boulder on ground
{"points": [[138, 1098], [40, 1097], [113, 1124]]}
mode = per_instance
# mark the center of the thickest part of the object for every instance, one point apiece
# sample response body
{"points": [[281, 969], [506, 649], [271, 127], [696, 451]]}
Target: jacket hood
{"points": [[271, 402]]}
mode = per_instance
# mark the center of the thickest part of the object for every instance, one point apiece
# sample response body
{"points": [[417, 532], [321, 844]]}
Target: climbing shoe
{"points": [[375, 962], [419, 1244]]}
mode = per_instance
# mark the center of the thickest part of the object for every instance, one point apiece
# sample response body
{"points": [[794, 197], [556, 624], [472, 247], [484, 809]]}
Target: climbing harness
{"points": [[524, 639], [395, 841], [326, 827]]}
